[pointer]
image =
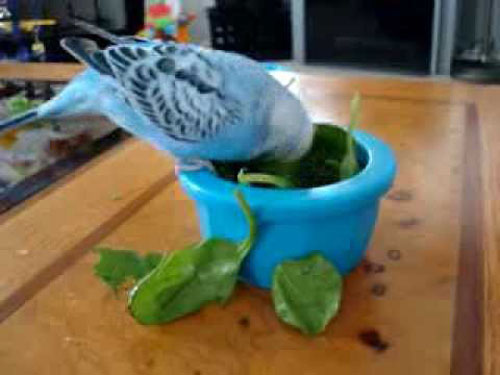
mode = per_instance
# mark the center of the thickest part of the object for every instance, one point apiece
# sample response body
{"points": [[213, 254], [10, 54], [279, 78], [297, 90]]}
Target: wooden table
{"points": [[435, 301]]}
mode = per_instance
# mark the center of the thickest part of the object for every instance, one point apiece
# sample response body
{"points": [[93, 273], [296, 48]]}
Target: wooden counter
{"points": [[435, 301], [39, 72]]}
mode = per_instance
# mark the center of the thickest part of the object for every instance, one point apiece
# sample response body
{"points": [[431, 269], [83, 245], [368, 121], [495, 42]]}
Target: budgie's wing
{"points": [[176, 87]]}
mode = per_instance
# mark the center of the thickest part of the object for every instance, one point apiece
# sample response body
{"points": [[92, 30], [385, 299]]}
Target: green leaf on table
{"points": [[188, 279], [116, 267], [306, 293], [151, 261], [185, 281], [349, 165]]}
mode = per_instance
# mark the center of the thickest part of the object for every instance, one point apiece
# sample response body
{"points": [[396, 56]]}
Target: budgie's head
{"points": [[287, 130], [291, 129]]}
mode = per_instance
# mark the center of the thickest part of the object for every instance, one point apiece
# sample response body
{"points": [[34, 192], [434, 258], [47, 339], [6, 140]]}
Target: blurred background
{"points": [[424, 37], [450, 39]]}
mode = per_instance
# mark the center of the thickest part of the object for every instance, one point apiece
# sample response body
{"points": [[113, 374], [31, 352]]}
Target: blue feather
{"points": [[191, 102]]}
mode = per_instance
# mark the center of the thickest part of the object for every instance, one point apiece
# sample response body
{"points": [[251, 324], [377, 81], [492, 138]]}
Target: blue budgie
{"points": [[195, 103]]}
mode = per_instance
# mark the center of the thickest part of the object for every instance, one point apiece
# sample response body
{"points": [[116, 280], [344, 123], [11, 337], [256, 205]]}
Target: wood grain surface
{"points": [[50, 232], [36, 72], [430, 289]]}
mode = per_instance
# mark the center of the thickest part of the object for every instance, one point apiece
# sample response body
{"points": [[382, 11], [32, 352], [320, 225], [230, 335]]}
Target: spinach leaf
{"points": [[332, 158], [186, 280], [349, 165], [318, 167], [151, 261], [307, 293], [115, 267]]}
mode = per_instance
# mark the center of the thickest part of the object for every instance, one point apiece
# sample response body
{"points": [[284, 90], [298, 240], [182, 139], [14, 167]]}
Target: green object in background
{"points": [[116, 267], [162, 15], [307, 293], [186, 280], [20, 104]]}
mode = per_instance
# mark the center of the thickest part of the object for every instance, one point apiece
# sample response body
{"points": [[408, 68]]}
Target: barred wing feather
{"points": [[176, 87]]}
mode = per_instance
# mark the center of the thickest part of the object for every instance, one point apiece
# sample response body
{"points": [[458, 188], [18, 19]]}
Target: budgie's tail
{"points": [[97, 31], [19, 120], [106, 35]]}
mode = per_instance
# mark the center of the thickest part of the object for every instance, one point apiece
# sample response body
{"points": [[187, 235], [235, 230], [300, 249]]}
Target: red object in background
{"points": [[159, 10]]}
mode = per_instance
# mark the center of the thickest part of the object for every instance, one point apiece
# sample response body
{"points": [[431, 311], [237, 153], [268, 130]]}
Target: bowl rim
{"points": [[373, 181]]}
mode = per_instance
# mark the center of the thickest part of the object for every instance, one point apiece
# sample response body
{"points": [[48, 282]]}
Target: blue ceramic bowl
{"points": [[337, 220]]}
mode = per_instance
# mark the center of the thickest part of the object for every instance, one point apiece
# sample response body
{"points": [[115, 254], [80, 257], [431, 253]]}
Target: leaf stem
{"points": [[349, 165], [248, 243], [355, 109], [261, 178]]}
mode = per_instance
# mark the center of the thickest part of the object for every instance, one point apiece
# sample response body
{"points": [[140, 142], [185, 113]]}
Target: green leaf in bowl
{"points": [[332, 158], [319, 167]]}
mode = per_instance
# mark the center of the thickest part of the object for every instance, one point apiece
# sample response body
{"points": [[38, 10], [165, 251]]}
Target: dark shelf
{"points": [[255, 29], [376, 34], [476, 72]]}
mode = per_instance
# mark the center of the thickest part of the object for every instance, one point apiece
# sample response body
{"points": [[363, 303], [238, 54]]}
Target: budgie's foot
{"points": [[184, 165]]}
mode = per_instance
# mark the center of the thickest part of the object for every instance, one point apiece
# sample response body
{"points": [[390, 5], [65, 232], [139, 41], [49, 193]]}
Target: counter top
{"points": [[55, 72], [430, 286]]}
